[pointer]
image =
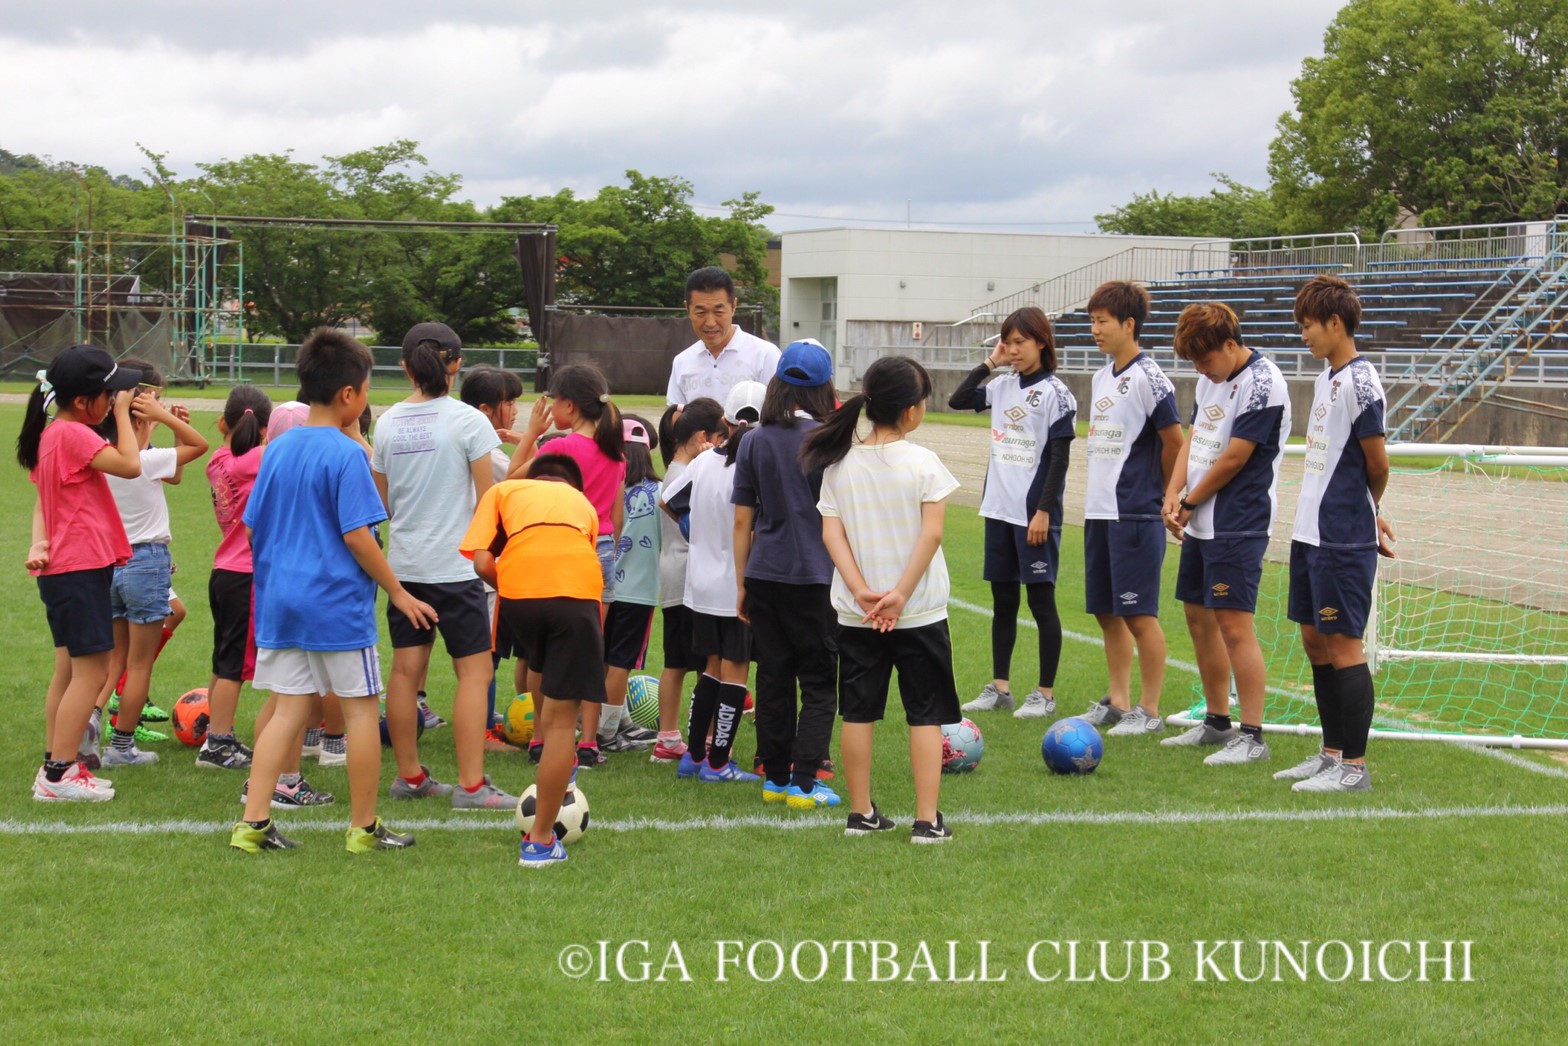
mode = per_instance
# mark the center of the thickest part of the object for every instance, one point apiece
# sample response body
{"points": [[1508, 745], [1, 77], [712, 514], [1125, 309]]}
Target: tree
{"points": [[1455, 111], [1232, 210]]}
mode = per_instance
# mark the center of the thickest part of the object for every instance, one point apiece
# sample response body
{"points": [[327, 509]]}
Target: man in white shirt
{"points": [[724, 355]]}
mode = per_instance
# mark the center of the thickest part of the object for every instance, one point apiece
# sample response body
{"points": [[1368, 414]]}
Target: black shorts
{"points": [[77, 606], [924, 659], [727, 638], [561, 640], [505, 644], [678, 650], [229, 595], [464, 614], [627, 627]]}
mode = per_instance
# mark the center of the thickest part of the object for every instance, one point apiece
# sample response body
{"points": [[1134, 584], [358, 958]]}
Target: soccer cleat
{"points": [[729, 772], [77, 786], [131, 756], [1311, 766], [664, 752], [638, 736], [377, 837], [774, 793], [868, 824], [254, 840], [151, 713], [687, 767], [488, 797], [312, 748], [1137, 723], [1036, 706], [819, 796], [292, 796], [432, 721], [495, 741], [1240, 749], [225, 755], [334, 751], [541, 855], [991, 699], [1341, 777], [825, 770], [1202, 734], [1102, 712], [589, 757], [617, 742], [927, 832], [425, 789]]}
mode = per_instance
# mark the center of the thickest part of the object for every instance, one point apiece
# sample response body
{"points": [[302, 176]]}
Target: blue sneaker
{"points": [[819, 796], [541, 855], [774, 793], [687, 767], [728, 772]]}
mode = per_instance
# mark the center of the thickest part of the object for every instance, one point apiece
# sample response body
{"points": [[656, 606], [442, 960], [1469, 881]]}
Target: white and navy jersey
{"points": [[1026, 414], [1252, 404], [1336, 509], [1129, 408]]}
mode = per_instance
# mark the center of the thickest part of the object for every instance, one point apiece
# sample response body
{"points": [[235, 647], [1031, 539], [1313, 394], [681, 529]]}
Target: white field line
{"points": [[1192, 669], [720, 822]]}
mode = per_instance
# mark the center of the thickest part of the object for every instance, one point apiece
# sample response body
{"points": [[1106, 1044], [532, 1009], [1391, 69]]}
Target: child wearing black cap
{"points": [[78, 540]]}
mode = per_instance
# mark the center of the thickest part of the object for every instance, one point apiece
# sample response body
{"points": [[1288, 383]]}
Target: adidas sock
{"points": [[1218, 722], [704, 701], [1325, 690], [1356, 703], [122, 741], [54, 770], [731, 701], [1254, 732]]}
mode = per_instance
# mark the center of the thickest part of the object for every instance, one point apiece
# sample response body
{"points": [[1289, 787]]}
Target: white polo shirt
{"points": [[696, 373]]}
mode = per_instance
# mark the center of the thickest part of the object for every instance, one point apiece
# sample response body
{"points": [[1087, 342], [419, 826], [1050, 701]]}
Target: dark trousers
{"points": [[794, 640]]}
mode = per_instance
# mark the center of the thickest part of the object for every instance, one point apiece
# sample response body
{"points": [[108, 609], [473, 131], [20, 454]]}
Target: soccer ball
{"points": [[1072, 746], [642, 701], [962, 747], [518, 726], [570, 822], [386, 735], [190, 717]]}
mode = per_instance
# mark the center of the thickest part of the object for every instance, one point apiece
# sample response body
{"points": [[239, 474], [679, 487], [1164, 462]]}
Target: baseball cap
{"points": [[746, 395], [806, 363], [634, 431], [83, 370], [439, 334]]}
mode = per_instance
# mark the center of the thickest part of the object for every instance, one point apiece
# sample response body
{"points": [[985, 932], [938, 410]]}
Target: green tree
{"points": [[1230, 210], [1455, 111]]}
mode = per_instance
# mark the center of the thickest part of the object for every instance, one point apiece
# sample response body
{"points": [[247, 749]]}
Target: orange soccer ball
{"points": [[190, 717]]}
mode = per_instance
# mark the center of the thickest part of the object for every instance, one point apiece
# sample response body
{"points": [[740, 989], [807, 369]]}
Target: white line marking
{"points": [[791, 823]]}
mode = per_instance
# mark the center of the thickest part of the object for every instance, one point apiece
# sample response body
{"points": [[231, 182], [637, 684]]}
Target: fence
{"points": [[267, 364]]}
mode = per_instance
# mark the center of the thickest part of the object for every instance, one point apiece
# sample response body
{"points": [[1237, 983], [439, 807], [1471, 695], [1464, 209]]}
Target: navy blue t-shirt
{"points": [[786, 541]]}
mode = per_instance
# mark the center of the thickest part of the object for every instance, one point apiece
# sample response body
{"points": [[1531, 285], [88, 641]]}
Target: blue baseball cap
{"points": [[806, 363]]}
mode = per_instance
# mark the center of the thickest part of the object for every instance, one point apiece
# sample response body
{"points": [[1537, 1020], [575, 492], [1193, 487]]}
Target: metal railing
{"points": [[273, 364], [1071, 290]]}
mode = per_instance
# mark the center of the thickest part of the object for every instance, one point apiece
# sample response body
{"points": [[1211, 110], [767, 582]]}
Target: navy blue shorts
{"points": [[1010, 557], [626, 630], [1221, 573], [77, 606], [1121, 566], [1331, 588]]}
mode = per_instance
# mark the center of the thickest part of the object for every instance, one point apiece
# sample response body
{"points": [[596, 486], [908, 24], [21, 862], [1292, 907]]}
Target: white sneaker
{"points": [[1341, 777], [990, 700], [1202, 734], [77, 786], [1239, 750], [1036, 706], [1311, 766], [334, 751], [1102, 712], [1137, 723]]}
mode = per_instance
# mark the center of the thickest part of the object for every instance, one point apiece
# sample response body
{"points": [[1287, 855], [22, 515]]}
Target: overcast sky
{"points": [[1027, 114]]}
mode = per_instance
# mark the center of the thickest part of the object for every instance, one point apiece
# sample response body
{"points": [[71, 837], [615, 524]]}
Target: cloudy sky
{"points": [[1024, 114]]}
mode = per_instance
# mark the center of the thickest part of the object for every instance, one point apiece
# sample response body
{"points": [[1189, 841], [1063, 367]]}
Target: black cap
{"points": [[440, 335], [85, 370]]}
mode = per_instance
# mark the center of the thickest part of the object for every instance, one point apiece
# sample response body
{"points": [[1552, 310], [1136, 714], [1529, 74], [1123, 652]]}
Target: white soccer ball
{"points": [[570, 823]]}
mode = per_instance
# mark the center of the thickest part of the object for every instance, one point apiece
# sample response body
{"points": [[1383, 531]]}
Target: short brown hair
{"points": [[1032, 323], [1205, 327], [1124, 300], [1323, 297]]}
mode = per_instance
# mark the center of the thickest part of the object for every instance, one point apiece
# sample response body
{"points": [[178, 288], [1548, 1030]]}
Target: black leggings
{"points": [[1004, 628]]}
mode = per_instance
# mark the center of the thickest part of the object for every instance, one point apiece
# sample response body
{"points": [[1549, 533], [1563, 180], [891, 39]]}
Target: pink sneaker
{"points": [[668, 752], [77, 786]]}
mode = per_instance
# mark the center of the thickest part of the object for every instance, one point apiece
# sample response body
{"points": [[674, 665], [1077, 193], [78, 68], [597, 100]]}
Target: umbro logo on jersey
{"points": [[1016, 413], [1214, 412], [1104, 403], [1329, 614], [1322, 410], [1129, 597], [1222, 589]]}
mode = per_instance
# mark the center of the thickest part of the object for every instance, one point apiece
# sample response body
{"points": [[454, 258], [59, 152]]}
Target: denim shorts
{"points": [[140, 592], [605, 549]]}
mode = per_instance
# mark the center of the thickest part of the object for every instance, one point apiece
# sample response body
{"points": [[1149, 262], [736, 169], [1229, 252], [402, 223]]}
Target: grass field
{"points": [[132, 920]]}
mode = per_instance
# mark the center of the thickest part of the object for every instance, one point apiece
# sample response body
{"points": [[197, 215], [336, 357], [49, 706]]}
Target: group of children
{"points": [[789, 531]]}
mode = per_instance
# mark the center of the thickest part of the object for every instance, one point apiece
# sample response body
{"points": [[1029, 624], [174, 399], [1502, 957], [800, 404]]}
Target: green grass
{"points": [[169, 936]]}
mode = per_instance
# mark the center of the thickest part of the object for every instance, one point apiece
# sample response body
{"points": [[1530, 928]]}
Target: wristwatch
{"points": [[1187, 505]]}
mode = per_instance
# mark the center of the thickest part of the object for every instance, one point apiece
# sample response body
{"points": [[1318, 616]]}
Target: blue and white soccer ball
{"points": [[962, 747], [642, 701], [1072, 746]]}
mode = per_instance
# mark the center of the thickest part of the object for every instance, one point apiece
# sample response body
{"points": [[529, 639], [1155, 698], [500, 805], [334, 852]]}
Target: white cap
{"points": [[745, 395]]}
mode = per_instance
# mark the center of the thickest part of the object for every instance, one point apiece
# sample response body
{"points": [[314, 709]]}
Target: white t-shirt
{"points": [[1128, 408], [877, 493], [143, 509], [710, 566], [673, 549], [1335, 508], [500, 462], [425, 450], [1252, 404], [1024, 417], [695, 373]]}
